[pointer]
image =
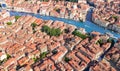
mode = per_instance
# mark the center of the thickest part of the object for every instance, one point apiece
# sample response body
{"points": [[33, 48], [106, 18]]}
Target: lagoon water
{"points": [[88, 25]]}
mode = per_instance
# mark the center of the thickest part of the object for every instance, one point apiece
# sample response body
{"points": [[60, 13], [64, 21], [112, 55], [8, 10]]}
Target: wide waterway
{"points": [[88, 25]]}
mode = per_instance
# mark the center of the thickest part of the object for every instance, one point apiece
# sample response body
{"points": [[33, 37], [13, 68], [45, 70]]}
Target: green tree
{"points": [[46, 29], [77, 33], [58, 31], [115, 17], [51, 31], [66, 59], [35, 59], [17, 17], [43, 55], [9, 23], [33, 25], [8, 56], [100, 41]]}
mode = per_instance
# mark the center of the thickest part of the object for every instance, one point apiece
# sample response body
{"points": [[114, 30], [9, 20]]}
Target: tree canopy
{"points": [[79, 34], [51, 31]]}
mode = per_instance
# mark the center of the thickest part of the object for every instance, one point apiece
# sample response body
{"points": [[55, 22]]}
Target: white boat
{"points": [[109, 34]]}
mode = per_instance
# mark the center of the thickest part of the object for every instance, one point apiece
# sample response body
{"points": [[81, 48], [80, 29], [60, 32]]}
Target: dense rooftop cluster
{"points": [[25, 46], [111, 60], [103, 65], [113, 56], [62, 9], [107, 14]]}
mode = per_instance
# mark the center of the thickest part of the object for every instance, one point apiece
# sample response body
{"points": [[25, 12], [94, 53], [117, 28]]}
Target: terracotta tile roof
{"points": [[57, 57], [47, 65], [9, 62], [103, 65], [22, 61], [83, 57]]}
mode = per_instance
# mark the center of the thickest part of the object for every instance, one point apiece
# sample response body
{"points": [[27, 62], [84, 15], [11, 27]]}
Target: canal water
{"points": [[88, 25]]}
